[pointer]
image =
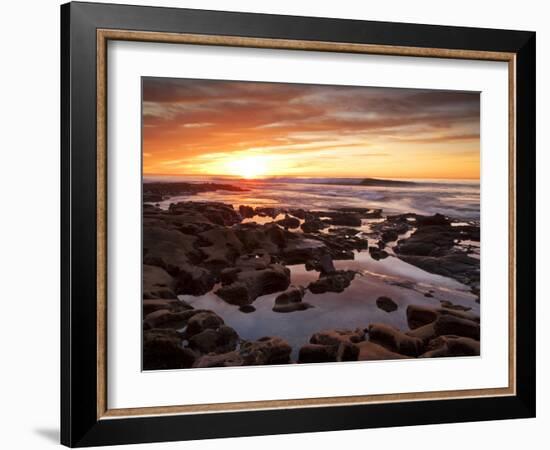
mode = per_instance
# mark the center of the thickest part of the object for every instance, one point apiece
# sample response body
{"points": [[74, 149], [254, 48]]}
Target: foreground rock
{"points": [[445, 346], [386, 304], [291, 300], [249, 285], [395, 340], [162, 350], [335, 281], [265, 351], [331, 346]]}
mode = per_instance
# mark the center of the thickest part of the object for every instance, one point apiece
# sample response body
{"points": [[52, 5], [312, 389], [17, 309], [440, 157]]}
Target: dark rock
{"points": [[157, 283], [378, 254], [172, 304], [229, 359], [428, 294], [162, 350], [348, 220], [253, 261], [369, 351], [202, 321], [450, 324], [221, 340], [389, 236], [169, 249], [449, 305], [288, 222], [444, 346], [223, 247], [338, 336], [418, 316], [249, 285], [313, 225], [302, 250], [347, 352], [386, 304], [266, 350], [436, 219], [193, 280], [247, 309], [246, 211], [316, 353], [290, 301], [165, 318], [395, 340], [292, 295], [333, 282]]}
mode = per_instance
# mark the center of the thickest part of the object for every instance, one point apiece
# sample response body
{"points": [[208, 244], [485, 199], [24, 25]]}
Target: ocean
{"points": [[455, 198]]}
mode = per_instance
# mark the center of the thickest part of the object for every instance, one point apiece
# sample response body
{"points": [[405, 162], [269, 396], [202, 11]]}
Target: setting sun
{"points": [[248, 167]]}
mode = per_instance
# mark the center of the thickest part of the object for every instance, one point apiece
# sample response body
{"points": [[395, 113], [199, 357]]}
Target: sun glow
{"points": [[249, 167]]}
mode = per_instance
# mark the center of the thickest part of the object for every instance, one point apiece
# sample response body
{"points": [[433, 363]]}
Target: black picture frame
{"points": [[80, 425]]}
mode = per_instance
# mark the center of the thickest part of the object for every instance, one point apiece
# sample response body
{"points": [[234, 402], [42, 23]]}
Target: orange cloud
{"points": [[201, 126]]}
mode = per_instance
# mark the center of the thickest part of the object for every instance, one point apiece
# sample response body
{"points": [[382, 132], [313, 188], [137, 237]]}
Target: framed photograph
{"points": [[276, 224]]}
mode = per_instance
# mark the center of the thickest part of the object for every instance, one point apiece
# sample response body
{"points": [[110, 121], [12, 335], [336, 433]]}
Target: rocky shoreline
{"points": [[195, 247]]}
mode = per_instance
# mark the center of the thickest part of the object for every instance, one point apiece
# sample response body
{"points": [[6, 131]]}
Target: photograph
{"points": [[302, 223]]}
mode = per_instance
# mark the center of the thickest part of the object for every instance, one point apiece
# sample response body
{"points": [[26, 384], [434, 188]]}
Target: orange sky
{"points": [[248, 129]]}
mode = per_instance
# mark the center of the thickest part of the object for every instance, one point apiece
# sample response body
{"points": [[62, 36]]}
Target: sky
{"points": [[255, 130]]}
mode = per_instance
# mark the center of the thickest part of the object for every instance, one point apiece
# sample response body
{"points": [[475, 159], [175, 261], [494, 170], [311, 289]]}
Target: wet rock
{"points": [[288, 222], [249, 285], [449, 305], [302, 250], [266, 350], [247, 309], [168, 249], [389, 236], [217, 213], [378, 254], [338, 336], [165, 318], [316, 353], [202, 321], [395, 340], [253, 261], [193, 280], [266, 211], [157, 283], [369, 351], [229, 359], [221, 340], [246, 211], [436, 219], [172, 304], [313, 225], [223, 247], [428, 294], [292, 295], [162, 350], [323, 264], [418, 316], [290, 301], [444, 346], [229, 275], [333, 282], [386, 304], [348, 220], [268, 238], [451, 324]]}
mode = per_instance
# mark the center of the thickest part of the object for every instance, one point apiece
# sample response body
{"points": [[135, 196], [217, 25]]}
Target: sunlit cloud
{"points": [[276, 129]]}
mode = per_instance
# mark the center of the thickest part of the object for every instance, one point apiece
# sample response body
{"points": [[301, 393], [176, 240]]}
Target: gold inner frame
{"points": [[103, 36]]}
